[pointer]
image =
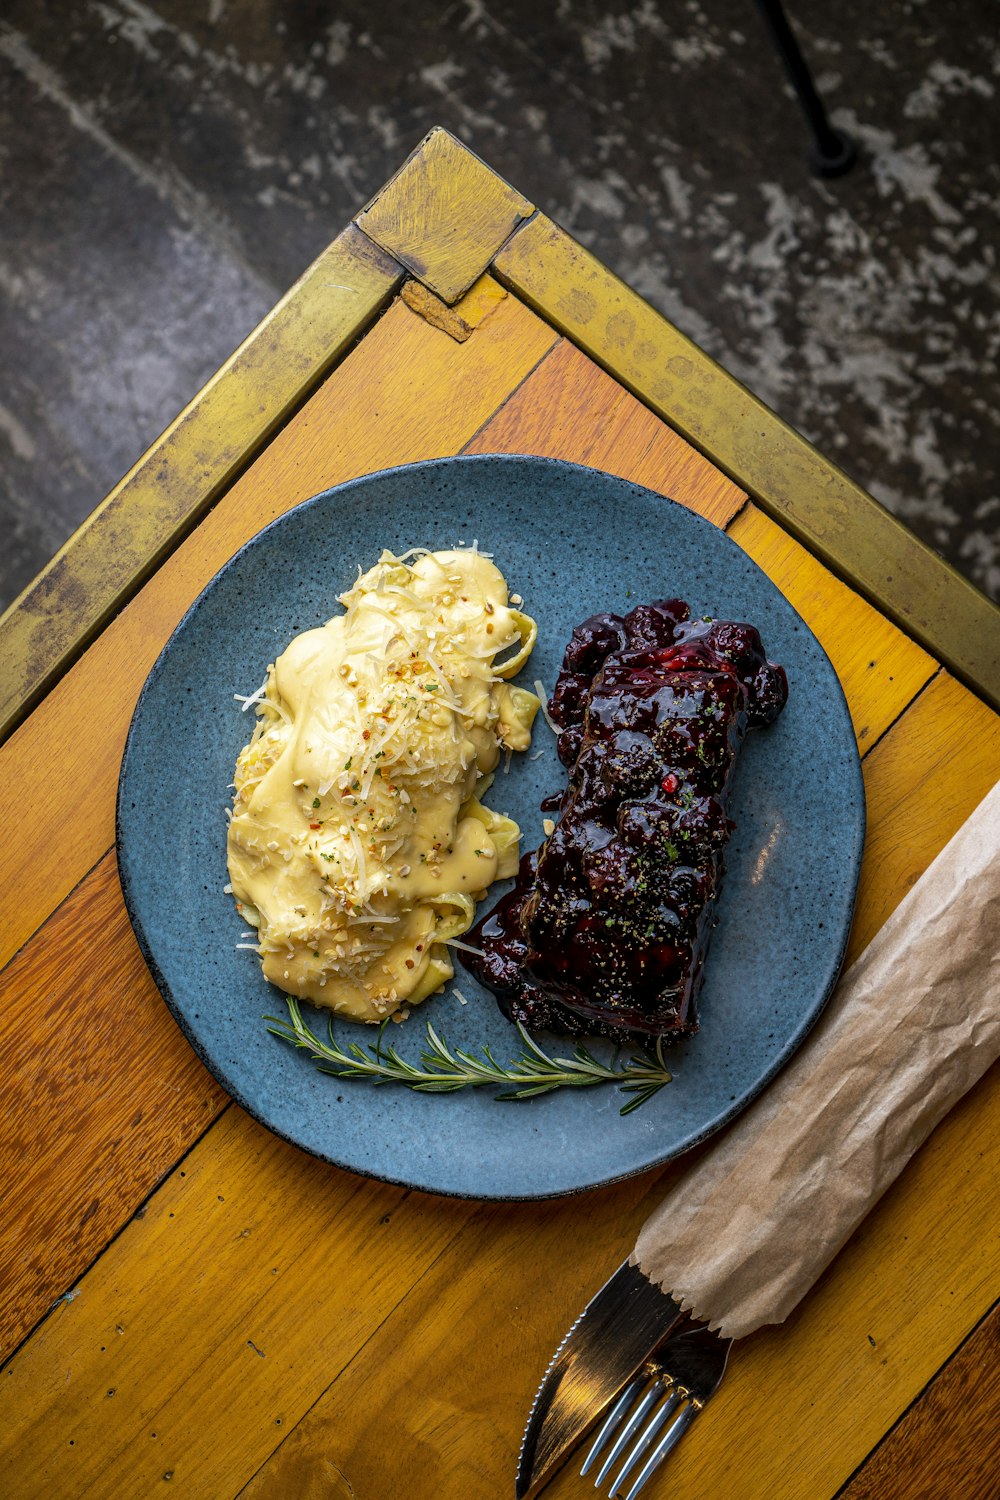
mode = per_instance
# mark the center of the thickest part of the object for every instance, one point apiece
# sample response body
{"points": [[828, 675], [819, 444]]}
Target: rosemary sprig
{"points": [[443, 1069]]}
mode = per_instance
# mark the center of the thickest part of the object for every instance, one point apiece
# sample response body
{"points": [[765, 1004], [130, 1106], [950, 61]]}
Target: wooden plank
{"points": [[817, 502], [213, 1322], [461, 321], [121, 543], [407, 392], [928, 781], [880, 668], [571, 409], [101, 1093], [466, 1350], [948, 1443], [190, 1300], [444, 215]]}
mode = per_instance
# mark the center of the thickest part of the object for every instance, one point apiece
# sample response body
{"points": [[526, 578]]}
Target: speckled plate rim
{"points": [[710, 1126]]}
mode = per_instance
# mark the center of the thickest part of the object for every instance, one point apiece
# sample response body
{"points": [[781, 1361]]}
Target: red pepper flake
{"points": [[315, 825], [670, 783]]}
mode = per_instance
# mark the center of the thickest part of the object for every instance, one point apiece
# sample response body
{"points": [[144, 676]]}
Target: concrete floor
{"points": [[167, 169]]}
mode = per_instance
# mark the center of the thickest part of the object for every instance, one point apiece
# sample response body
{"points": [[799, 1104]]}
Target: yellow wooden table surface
{"points": [[188, 1301]]}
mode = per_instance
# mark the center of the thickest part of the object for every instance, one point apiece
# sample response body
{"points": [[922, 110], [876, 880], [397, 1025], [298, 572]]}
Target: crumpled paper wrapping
{"points": [[909, 1029]]}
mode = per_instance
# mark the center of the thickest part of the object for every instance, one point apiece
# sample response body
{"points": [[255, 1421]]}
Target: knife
{"points": [[613, 1336]]}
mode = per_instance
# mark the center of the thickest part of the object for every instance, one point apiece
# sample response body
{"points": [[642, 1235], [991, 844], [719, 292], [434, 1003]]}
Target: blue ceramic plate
{"points": [[572, 541]]}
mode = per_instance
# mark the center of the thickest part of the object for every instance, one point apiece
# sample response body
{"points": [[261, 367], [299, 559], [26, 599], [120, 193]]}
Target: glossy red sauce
{"points": [[606, 928]]}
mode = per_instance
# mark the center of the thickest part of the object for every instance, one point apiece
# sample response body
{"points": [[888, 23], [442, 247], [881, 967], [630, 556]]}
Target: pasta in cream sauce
{"points": [[359, 844]]}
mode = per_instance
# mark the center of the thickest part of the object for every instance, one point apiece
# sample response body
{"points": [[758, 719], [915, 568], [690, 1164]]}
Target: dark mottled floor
{"points": [[167, 169]]}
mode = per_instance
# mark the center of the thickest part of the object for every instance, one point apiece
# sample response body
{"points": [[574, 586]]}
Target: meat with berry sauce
{"points": [[606, 928]]}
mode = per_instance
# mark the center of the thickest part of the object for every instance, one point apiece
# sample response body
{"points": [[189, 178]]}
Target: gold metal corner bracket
{"points": [[444, 215]]}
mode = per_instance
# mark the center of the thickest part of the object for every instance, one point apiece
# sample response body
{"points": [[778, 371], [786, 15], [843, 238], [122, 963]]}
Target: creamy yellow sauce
{"points": [[358, 844]]}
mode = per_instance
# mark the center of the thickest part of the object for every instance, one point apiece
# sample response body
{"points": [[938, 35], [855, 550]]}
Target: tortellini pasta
{"points": [[358, 845]]}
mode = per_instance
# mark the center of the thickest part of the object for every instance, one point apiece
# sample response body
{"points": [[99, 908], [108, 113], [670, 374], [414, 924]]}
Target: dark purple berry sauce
{"points": [[605, 931]]}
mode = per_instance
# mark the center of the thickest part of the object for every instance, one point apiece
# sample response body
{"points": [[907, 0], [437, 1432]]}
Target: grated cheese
{"points": [[543, 699], [397, 707], [254, 698], [465, 947]]}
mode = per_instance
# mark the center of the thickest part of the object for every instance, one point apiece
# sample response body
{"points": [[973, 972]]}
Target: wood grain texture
{"points": [[163, 496], [927, 781], [407, 392], [948, 1443], [460, 321], [453, 1366], [444, 215], [462, 1355], [880, 668], [101, 1096], [810, 496], [570, 408], [213, 1322]]}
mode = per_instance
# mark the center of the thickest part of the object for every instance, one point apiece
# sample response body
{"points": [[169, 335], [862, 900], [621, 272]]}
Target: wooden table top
{"points": [[187, 1299]]}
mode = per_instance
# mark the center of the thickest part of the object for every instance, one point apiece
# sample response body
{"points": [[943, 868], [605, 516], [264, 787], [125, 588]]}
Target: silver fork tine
{"points": [[651, 1396], [652, 1427], [610, 1422], [681, 1375], [670, 1439]]}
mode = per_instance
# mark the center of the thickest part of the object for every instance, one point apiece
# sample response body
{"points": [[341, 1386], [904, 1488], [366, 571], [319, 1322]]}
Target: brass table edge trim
{"points": [[937, 606], [268, 358]]}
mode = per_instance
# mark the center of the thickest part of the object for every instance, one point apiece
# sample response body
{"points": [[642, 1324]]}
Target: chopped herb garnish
{"points": [[315, 802]]}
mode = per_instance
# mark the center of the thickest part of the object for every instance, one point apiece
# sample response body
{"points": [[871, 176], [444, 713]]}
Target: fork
{"points": [[675, 1382]]}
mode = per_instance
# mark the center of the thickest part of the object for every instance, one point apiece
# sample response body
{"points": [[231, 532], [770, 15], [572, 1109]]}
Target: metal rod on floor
{"points": [[833, 151]]}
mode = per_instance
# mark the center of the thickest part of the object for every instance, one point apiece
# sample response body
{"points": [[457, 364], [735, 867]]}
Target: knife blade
{"points": [[616, 1332]]}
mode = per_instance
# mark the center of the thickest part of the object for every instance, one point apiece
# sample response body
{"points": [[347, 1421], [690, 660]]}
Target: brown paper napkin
{"points": [[910, 1027]]}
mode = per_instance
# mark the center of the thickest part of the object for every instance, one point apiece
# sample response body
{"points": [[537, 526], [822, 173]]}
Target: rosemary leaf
{"points": [[443, 1071]]}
